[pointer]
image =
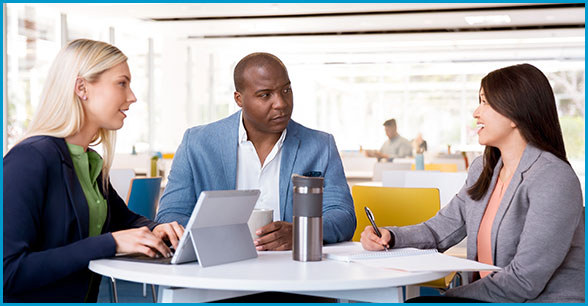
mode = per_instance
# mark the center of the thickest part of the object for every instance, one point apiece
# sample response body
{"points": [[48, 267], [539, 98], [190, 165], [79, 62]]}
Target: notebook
{"points": [[435, 262], [344, 254], [404, 259]]}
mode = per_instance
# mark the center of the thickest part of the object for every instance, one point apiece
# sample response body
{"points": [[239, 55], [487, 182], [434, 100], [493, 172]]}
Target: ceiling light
{"points": [[487, 20]]}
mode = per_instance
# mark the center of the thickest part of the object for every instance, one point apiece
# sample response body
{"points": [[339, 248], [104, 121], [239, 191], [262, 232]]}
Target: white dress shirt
{"points": [[251, 174]]}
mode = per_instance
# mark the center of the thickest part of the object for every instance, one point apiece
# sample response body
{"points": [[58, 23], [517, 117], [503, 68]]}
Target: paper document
{"points": [[404, 259], [429, 262], [353, 254]]}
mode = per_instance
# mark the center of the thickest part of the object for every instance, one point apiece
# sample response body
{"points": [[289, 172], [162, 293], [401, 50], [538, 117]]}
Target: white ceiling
{"points": [[199, 10], [374, 23], [409, 17]]}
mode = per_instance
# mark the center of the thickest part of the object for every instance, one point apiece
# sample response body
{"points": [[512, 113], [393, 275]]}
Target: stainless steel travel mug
{"points": [[308, 218]]}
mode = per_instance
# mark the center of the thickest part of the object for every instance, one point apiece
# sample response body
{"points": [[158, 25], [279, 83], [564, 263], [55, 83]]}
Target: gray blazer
{"points": [[537, 235]]}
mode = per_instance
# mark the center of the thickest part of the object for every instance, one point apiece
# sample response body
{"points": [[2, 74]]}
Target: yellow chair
{"points": [[439, 167], [394, 206]]}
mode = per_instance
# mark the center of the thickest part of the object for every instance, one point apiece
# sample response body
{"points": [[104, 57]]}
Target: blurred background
{"points": [[352, 66]]}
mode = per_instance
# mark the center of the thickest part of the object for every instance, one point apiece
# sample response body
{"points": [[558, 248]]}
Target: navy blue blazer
{"points": [[46, 243]]}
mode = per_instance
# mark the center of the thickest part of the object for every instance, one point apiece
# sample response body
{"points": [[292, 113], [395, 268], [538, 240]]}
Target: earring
{"points": [[85, 98]]}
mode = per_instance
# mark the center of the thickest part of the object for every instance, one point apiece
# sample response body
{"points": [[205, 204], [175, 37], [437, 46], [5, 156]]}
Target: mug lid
{"points": [[307, 181]]}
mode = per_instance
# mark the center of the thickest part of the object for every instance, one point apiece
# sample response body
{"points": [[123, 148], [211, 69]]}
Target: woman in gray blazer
{"points": [[534, 225]]}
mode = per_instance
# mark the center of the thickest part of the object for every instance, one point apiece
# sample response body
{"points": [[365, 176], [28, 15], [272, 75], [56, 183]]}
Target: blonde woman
{"points": [[60, 210]]}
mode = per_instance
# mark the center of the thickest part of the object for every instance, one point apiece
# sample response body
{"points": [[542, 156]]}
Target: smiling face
{"points": [[494, 129], [109, 98], [266, 98]]}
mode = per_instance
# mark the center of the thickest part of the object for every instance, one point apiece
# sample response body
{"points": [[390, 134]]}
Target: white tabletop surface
{"points": [[270, 271]]}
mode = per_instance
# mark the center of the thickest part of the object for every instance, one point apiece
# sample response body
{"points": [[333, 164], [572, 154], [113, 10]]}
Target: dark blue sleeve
{"points": [[26, 180]]}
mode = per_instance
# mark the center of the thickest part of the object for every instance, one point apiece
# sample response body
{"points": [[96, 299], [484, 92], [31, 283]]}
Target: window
{"points": [[348, 90], [33, 40]]}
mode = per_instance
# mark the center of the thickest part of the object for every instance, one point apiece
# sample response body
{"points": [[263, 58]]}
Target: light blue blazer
{"points": [[207, 160]]}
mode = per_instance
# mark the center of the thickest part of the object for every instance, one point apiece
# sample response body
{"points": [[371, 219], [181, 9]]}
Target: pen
{"points": [[370, 216]]}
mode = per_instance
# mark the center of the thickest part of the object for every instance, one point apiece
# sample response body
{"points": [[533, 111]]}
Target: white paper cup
{"points": [[260, 217]]}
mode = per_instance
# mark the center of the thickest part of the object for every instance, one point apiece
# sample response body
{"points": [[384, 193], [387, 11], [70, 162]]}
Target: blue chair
{"points": [[143, 196]]}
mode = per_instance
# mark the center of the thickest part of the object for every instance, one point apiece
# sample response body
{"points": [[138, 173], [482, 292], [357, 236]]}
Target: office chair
{"points": [[397, 207], [393, 206], [143, 195]]}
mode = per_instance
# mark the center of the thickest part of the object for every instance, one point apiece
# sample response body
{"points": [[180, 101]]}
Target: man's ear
{"points": [[238, 98], [80, 88]]}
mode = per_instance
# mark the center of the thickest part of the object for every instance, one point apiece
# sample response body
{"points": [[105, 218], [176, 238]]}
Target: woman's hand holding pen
{"points": [[371, 242]]}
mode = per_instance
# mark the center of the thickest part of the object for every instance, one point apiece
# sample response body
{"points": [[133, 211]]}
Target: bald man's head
{"points": [[257, 59]]}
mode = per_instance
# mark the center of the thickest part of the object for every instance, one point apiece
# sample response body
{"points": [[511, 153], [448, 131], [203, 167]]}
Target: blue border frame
{"points": [[326, 1]]}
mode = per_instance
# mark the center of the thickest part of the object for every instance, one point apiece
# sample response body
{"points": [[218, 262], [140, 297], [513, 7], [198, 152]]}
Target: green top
{"points": [[88, 166]]}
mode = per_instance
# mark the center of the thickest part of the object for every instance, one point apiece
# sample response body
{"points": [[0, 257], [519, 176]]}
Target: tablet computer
{"points": [[216, 232]]}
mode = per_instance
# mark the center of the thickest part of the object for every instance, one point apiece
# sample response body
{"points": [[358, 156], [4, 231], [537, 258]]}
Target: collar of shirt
{"points": [[88, 161], [243, 138], [395, 138]]}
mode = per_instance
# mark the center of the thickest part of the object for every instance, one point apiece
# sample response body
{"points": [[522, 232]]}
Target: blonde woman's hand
{"points": [[371, 242], [171, 232], [140, 240]]}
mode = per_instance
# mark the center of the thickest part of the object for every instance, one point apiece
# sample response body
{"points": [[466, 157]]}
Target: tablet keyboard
{"points": [[144, 258]]}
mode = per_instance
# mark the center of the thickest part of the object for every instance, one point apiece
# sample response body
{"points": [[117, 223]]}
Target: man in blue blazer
{"points": [[259, 147]]}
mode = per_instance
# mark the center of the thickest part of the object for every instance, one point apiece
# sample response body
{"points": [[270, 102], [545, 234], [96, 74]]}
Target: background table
{"points": [[270, 271]]}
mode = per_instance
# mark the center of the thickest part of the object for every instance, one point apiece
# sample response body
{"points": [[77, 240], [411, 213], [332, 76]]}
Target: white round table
{"points": [[270, 271]]}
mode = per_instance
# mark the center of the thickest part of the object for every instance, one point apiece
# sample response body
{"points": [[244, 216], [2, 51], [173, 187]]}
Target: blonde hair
{"points": [[60, 112]]}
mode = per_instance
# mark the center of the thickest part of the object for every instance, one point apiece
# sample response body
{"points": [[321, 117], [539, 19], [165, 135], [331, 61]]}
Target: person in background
{"points": [[521, 206], [419, 144], [60, 210], [260, 147], [395, 147]]}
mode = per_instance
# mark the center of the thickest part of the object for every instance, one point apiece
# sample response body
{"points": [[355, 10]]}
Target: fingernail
{"points": [[256, 242], [258, 232], [259, 248], [169, 254], [157, 256]]}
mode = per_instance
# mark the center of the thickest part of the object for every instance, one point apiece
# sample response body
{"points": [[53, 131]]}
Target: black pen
{"points": [[370, 216]]}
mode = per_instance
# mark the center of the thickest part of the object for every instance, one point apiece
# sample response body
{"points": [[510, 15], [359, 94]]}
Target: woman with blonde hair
{"points": [[60, 210], [521, 205]]}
